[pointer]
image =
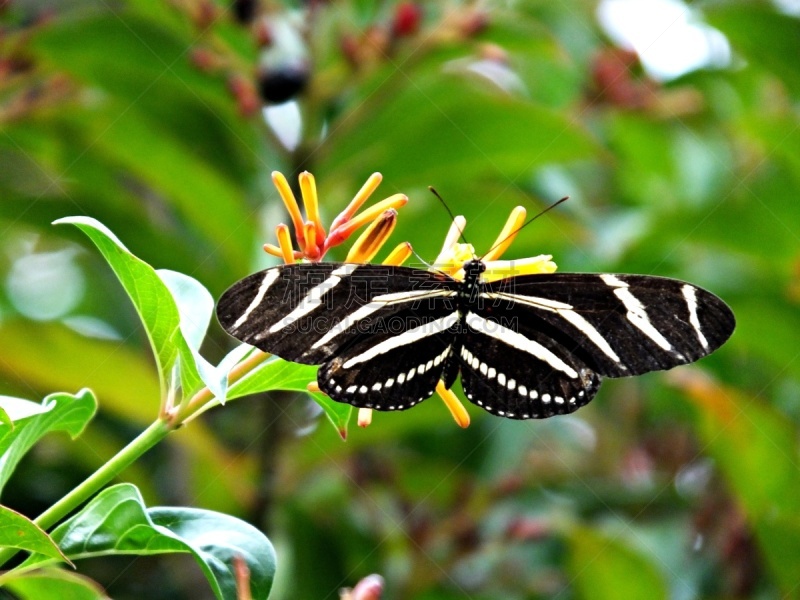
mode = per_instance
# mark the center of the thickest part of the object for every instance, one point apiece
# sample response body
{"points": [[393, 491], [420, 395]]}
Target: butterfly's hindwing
{"points": [[520, 376], [395, 373]]}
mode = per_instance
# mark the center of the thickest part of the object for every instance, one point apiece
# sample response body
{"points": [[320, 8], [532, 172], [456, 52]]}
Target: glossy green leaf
{"points": [[217, 541], [64, 359], [279, 374], [14, 409], [117, 522], [195, 306], [153, 301], [194, 303], [51, 583], [18, 531], [67, 413], [606, 567]]}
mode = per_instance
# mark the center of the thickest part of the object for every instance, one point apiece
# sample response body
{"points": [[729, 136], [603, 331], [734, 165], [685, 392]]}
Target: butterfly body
{"points": [[526, 347]]}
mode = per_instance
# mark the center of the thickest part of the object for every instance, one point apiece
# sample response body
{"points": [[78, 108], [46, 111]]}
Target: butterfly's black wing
{"points": [[380, 333], [618, 325], [560, 331], [396, 372], [521, 376]]}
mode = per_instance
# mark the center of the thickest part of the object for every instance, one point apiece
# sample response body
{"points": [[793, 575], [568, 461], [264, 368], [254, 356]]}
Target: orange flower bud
{"points": [[374, 237]]}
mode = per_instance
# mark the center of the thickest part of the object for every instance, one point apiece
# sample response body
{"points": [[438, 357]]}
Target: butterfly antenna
{"points": [[420, 259], [449, 212], [528, 222]]}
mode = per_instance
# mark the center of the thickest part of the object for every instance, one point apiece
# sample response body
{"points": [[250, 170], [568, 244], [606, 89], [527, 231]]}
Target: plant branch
{"points": [[156, 432], [197, 403], [124, 458]]}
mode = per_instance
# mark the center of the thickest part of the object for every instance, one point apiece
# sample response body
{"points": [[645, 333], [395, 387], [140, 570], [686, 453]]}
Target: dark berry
{"points": [[277, 85], [244, 10]]}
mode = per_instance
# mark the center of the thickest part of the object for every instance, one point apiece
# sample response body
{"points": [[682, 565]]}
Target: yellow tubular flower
{"points": [[515, 220], [451, 240], [453, 404], [291, 205], [308, 188], [285, 243], [535, 265], [311, 250], [313, 242], [374, 237], [341, 233], [358, 200], [273, 250], [399, 255]]}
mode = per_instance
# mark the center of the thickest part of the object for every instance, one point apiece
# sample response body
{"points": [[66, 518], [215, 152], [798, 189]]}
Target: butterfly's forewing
{"points": [[307, 313], [618, 325], [380, 333]]}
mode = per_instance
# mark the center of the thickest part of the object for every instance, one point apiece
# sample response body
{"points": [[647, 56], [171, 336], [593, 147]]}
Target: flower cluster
{"points": [[313, 241]]}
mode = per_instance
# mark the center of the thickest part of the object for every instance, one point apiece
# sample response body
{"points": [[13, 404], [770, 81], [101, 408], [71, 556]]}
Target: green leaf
{"points": [[116, 522], [217, 541], [762, 34], [755, 448], [15, 409], [153, 301], [279, 374], [466, 129], [58, 358], [51, 583], [67, 413], [194, 302], [195, 306], [18, 531], [606, 567], [194, 151]]}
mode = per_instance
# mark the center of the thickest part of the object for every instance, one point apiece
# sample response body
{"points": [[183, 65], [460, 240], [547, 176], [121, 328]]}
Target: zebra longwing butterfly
{"points": [[527, 347]]}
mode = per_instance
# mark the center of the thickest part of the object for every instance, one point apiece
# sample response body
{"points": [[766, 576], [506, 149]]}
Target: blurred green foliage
{"points": [[144, 115]]}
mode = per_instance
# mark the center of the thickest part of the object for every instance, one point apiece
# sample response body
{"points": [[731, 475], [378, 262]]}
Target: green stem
{"points": [[124, 458]]}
